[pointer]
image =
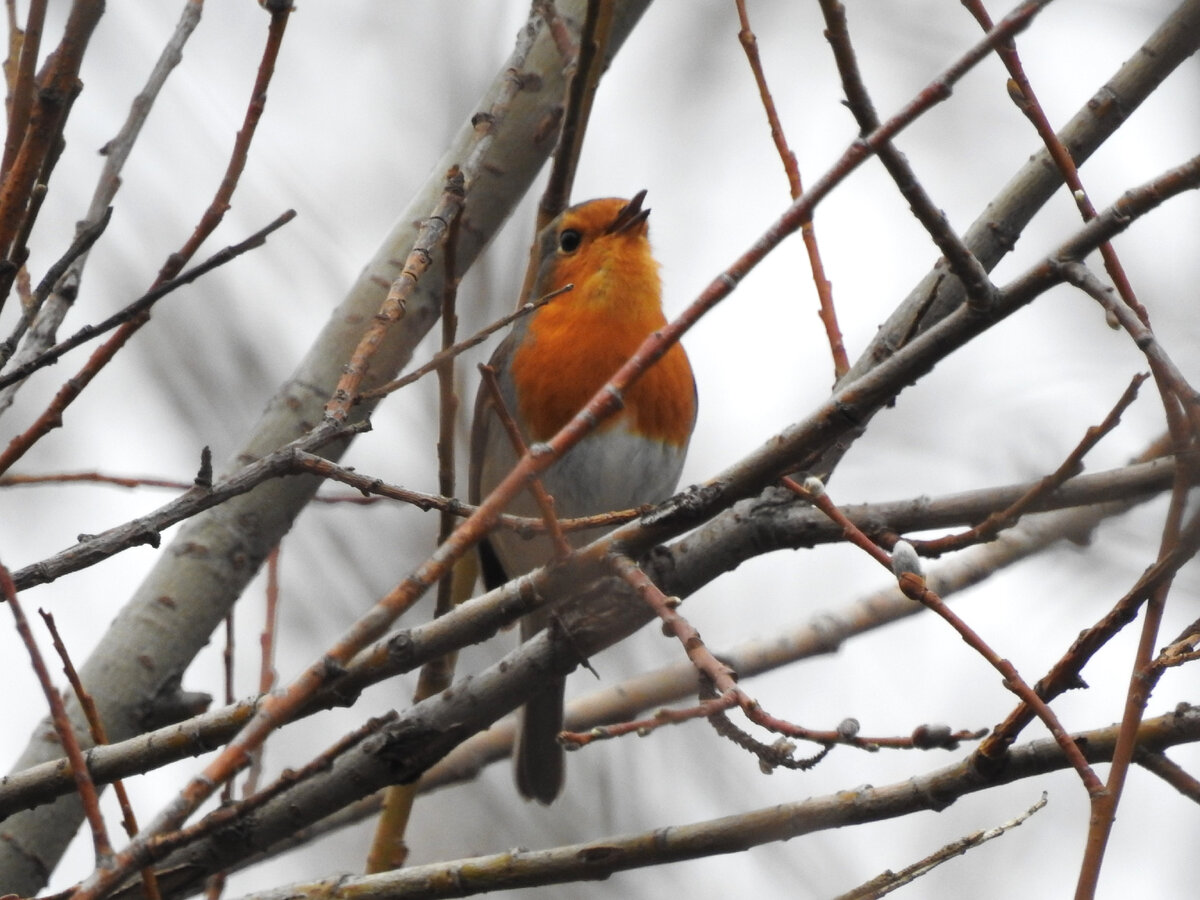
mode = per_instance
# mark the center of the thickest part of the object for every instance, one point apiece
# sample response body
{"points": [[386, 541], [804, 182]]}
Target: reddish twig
{"points": [[721, 678], [280, 12], [827, 311], [125, 481], [51, 418], [128, 481], [1142, 681], [267, 675], [1071, 466], [1022, 94], [913, 585], [84, 786], [99, 737], [20, 79], [40, 142], [545, 502], [1065, 673], [319, 465]]}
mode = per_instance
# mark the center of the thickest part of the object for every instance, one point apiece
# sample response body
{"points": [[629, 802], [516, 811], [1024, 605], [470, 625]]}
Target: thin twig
{"points": [[389, 849], [1171, 772], [449, 353], [808, 232], [40, 142], [143, 304], [116, 152], [1021, 91], [84, 786], [915, 587], [99, 739], [148, 529], [431, 236], [85, 237], [922, 738], [604, 856], [891, 881], [267, 676], [21, 81], [723, 680], [51, 418], [974, 277], [1070, 467], [545, 502]]}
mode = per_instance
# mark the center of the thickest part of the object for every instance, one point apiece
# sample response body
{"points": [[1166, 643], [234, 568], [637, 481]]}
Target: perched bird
{"points": [[548, 367]]}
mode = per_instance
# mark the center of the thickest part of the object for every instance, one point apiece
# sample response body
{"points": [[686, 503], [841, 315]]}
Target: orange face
{"points": [[576, 343]]}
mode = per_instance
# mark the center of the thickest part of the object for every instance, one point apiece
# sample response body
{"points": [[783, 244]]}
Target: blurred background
{"points": [[366, 97]]}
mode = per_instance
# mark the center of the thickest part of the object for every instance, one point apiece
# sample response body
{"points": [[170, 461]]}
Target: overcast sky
{"points": [[365, 99]]}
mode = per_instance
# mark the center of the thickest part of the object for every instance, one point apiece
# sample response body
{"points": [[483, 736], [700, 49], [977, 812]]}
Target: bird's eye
{"points": [[569, 240]]}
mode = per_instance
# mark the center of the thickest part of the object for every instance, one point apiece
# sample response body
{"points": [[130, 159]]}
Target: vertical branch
{"points": [[266, 672], [62, 724], [808, 233], [214, 885], [389, 849], [1143, 677], [581, 91], [27, 43], [99, 738], [266, 667], [447, 400], [57, 87], [1022, 94], [541, 496], [1180, 409]]}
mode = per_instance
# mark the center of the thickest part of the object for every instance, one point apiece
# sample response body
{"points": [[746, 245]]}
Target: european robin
{"points": [[548, 367]]}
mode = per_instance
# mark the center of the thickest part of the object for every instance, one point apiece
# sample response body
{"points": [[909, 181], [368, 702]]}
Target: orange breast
{"points": [[571, 351]]}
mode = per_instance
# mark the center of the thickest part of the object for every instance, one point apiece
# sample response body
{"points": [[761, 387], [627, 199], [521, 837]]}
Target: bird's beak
{"points": [[630, 216]]}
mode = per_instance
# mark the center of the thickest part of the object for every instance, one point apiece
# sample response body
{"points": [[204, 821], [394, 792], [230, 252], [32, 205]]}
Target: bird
{"points": [[548, 367]]}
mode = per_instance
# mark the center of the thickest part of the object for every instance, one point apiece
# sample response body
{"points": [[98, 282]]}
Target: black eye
{"points": [[569, 240]]}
